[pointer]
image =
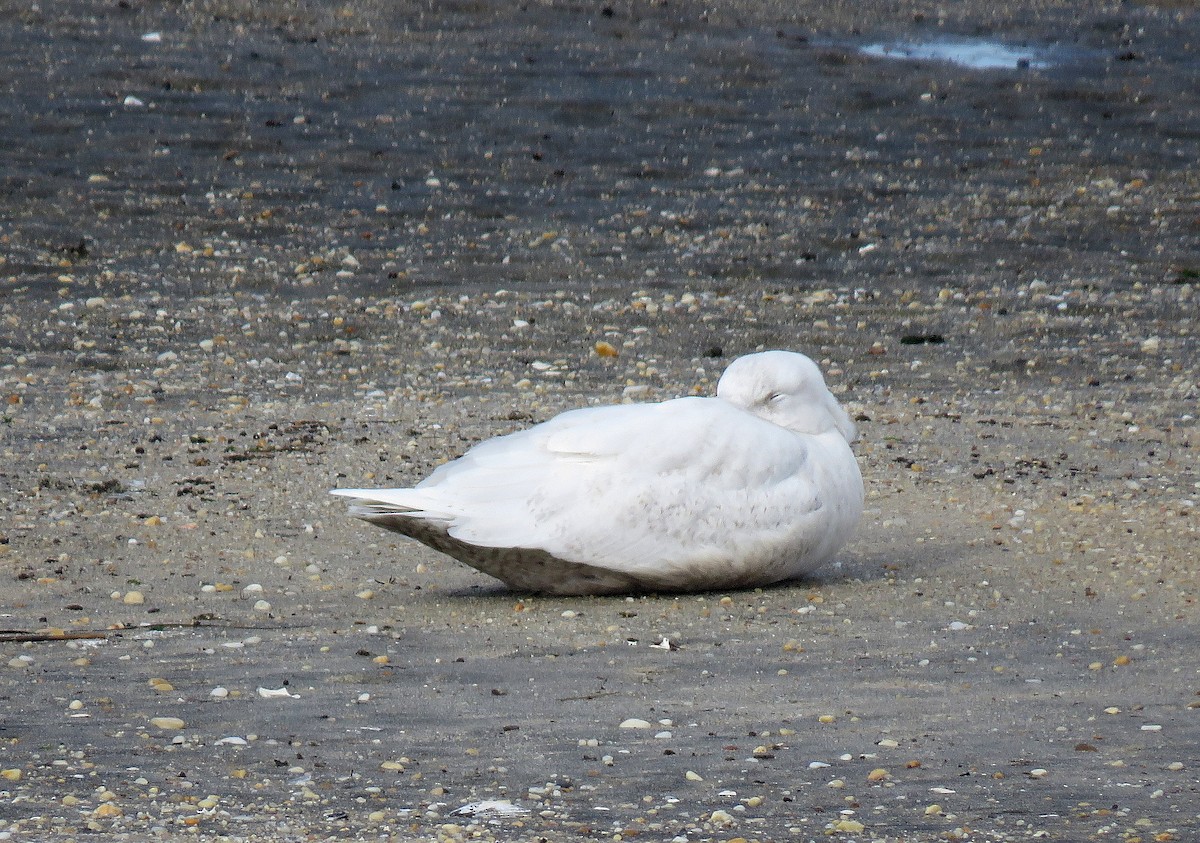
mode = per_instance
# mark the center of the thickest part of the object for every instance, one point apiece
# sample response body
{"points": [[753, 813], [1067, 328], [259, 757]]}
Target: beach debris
{"points": [[268, 693], [489, 809]]}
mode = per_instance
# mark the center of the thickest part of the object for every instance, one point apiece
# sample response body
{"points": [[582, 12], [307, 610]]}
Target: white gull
{"points": [[752, 487]]}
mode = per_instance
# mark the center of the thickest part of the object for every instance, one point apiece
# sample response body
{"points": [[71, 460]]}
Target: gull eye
{"points": [[775, 397]]}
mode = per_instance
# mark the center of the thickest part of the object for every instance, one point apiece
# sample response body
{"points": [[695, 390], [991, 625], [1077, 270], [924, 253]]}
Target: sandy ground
{"points": [[254, 251]]}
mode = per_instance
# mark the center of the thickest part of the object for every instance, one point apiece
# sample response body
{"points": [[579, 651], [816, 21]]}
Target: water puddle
{"points": [[976, 53]]}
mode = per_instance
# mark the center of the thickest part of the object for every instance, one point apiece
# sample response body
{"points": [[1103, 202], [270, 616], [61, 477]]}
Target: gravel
{"points": [[254, 251]]}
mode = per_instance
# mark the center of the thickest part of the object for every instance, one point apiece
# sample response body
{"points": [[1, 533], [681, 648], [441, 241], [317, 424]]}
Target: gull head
{"points": [[787, 389]]}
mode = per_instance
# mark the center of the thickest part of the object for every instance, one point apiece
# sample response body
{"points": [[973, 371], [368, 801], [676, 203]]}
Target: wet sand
{"points": [[337, 246]]}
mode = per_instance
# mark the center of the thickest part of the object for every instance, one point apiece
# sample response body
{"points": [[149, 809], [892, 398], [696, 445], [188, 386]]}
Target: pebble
{"points": [[133, 598], [167, 723], [635, 723], [721, 817]]}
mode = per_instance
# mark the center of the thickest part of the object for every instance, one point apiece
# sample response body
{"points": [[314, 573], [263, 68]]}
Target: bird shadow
{"points": [[865, 565]]}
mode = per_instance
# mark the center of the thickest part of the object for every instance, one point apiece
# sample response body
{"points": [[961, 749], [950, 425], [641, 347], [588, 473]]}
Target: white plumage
{"points": [[751, 487]]}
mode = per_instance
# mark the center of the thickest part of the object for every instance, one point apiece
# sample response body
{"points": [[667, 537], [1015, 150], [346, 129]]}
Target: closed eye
{"points": [[775, 397]]}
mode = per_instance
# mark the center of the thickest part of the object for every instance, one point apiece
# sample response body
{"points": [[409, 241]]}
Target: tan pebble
{"points": [[166, 723], [877, 775], [753, 802], [1175, 766], [70, 800], [377, 816], [634, 723], [826, 718], [888, 743], [693, 776], [12, 774], [365, 594], [381, 660], [721, 817], [912, 765], [239, 773], [133, 598], [933, 810], [837, 784], [107, 811], [605, 349], [1038, 773], [1121, 661], [153, 521], [392, 766], [849, 826], [1112, 709]]}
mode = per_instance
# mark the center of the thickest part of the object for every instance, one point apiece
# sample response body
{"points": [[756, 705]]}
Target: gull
{"points": [[755, 485]]}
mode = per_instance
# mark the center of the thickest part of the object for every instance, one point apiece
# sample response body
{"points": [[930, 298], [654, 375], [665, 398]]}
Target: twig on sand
{"points": [[47, 635]]}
